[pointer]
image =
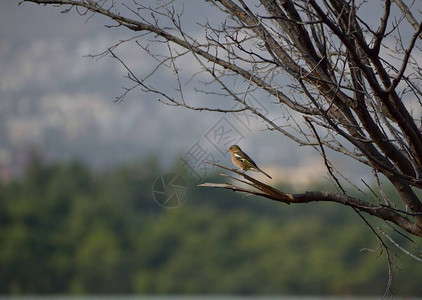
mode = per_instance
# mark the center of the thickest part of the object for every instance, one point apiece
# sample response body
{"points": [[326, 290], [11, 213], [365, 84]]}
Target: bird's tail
{"points": [[266, 174], [259, 170]]}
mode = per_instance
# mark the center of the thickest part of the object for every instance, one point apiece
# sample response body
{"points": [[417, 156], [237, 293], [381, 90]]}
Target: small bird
{"points": [[241, 160]]}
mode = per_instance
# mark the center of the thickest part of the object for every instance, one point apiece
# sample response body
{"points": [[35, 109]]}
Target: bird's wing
{"points": [[245, 159]]}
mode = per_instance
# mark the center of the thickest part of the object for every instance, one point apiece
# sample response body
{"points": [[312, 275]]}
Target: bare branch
{"points": [[269, 192], [408, 14]]}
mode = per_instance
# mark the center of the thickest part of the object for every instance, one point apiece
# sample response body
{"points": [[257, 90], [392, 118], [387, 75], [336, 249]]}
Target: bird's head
{"points": [[234, 148]]}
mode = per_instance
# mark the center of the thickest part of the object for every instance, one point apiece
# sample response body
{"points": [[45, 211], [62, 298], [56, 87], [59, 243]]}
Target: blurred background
{"points": [[80, 177]]}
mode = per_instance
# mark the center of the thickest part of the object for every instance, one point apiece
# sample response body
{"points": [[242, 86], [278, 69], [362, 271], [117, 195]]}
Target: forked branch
{"points": [[263, 190]]}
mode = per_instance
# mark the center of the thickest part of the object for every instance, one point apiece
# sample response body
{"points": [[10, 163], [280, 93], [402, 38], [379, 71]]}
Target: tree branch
{"points": [[264, 190]]}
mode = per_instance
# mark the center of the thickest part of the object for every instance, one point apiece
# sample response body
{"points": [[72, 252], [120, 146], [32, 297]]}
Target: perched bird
{"points": [[241, 160]]}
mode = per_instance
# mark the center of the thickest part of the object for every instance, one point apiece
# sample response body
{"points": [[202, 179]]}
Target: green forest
{"points": [[65, 229]]}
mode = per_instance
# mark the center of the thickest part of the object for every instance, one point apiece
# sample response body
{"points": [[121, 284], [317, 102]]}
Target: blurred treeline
{"points": [[65, 229]]}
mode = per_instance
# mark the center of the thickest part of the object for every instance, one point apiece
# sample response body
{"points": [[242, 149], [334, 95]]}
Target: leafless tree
{"points": [[344, 83]]}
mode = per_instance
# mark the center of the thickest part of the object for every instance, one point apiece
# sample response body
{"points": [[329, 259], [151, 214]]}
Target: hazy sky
{"points": [[59, 102]]}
